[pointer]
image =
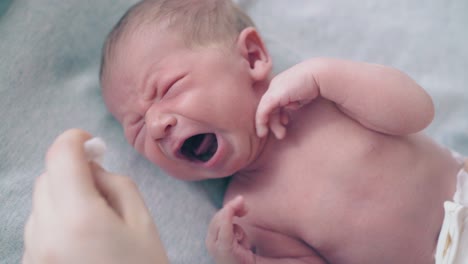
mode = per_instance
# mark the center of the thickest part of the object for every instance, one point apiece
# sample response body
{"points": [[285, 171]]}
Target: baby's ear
{"points": [[252, 48]]}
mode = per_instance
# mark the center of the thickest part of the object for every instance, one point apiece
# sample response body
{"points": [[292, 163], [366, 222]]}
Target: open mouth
{"points": [[201, 147]]}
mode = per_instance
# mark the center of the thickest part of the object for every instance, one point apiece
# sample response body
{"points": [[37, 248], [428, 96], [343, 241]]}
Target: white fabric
{"points": [[452, 244], [453, 240], [452, 247]]}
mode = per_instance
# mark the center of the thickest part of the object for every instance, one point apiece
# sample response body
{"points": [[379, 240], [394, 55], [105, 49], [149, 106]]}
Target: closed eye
{"points": [[168, 88]]}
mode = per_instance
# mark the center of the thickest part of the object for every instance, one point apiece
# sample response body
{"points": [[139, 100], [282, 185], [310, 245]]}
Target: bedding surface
{"points": [[49, 61]]}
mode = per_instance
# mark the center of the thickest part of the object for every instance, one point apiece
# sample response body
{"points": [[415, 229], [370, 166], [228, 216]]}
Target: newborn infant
{"points": [[327, 159]]}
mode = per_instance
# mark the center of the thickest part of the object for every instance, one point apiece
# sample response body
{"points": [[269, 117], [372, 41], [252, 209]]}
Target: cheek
{"points": [[168, 166], [135, 137], [234, 108], [130, 136], [242, 116], [174, 168]]}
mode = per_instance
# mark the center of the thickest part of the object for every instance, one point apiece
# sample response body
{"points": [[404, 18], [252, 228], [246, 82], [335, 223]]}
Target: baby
{"points": [[327, 160]]}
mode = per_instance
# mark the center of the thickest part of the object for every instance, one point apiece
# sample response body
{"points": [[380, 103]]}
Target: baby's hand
{"points": [[226, 241], [289, 90]]}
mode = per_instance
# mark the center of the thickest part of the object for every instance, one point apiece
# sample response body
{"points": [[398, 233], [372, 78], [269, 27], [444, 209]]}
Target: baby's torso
{"points": [[351, 195]]}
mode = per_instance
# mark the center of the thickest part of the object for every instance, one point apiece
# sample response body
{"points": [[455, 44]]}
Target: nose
{"points": [[159, 125]]}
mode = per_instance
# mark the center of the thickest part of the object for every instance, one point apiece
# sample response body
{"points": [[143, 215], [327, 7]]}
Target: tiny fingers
{"points": [[262, 127], [238, 206], [221, 230], [277, 126], [235, 207], [276, 122], [265, 107], [271, 115]]}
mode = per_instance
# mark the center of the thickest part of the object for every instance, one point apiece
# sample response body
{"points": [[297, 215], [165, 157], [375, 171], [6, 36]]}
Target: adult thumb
{"points": [[122, 196]]}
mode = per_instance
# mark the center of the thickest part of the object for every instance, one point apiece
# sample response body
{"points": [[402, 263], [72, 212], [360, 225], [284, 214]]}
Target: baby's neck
{"points": [[262, 159]]}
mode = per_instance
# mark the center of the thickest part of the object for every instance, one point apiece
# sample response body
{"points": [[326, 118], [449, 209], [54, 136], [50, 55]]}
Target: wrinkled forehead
{"points": [[131, 59], [119, 77], [131, 44], [117, 91]]}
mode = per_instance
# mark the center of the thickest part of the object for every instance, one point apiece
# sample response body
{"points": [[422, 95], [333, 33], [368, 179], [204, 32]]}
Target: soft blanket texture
{"points": [[49, 60]]}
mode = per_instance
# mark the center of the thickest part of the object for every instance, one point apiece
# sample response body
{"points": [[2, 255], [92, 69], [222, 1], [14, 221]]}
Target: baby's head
{"points": [[184, 78]]}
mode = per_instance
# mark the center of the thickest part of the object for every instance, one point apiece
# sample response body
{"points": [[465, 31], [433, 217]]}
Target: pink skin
{"points": [[164, 92], [353, 153]]}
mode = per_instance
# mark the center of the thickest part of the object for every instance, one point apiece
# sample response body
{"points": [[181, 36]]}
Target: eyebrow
{"points": [[148, 88]]}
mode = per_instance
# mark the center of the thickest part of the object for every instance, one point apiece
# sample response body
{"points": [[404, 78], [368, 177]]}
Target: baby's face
{"points": [[190, 111]]}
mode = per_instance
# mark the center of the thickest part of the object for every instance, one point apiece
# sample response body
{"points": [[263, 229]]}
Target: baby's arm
{"points": [[228, 243], [379, 97]]}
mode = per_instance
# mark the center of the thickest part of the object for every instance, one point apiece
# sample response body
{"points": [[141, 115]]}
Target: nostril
{"points": [[167, 129], [169, 122], [160, 126]]}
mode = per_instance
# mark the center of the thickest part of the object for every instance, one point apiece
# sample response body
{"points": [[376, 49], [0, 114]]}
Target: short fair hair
{"points": [[200, 22]]}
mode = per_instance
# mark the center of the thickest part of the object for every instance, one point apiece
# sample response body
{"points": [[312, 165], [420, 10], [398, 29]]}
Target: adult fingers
{"points": [[26, 258], [41, 201], [122, 195], [69, 176], [27, 235], [41, 208]]}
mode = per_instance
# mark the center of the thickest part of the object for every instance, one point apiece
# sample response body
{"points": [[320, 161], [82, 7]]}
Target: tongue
{"points": [[205, 144]]}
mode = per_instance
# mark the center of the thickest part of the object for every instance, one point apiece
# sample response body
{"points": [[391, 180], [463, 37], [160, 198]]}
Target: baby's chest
{"points": [[298, 209]]}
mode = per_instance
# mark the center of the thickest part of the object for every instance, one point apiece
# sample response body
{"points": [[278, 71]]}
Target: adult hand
{"points": [[84, 214]]}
